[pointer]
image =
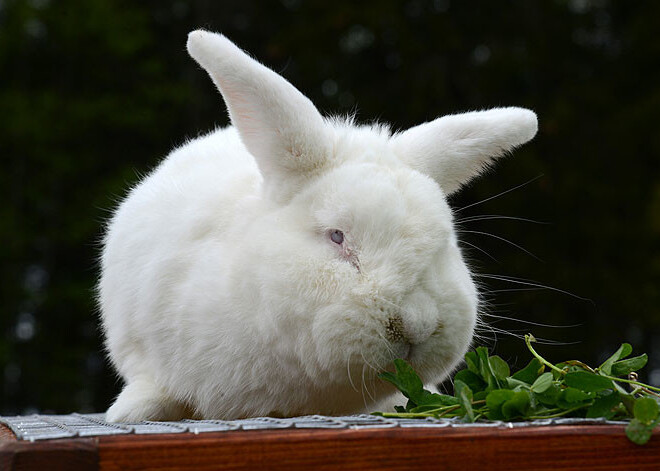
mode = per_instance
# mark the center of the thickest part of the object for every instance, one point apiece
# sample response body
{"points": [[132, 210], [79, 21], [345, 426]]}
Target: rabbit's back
{"points": [[163, 233]]}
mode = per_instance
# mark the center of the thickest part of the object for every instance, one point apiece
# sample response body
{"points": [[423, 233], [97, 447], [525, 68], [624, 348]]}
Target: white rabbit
{"points": [[275, 266]]}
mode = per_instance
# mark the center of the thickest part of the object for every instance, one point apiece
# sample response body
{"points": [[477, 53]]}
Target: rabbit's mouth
{"points": [[405, 351]]}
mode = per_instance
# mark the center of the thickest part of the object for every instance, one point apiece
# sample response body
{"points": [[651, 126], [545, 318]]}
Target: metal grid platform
{"points": [[46, 427]]}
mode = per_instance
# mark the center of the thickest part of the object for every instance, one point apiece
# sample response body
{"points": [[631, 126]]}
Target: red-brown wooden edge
{"points": [[67, 455], [538, 448]]}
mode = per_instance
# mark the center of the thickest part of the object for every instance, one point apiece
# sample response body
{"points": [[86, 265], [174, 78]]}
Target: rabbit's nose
{"points": [[397, 332], [394, 329]]}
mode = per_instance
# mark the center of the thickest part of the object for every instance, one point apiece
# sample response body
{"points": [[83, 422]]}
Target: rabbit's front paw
{"points": [[142, 400]]}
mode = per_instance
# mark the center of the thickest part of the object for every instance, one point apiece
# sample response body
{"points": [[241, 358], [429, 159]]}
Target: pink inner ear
{"points": [[239, 108], [278, 125]]}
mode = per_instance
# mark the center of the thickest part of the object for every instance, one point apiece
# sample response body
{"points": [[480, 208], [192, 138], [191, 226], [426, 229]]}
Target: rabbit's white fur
{"points": [[222, 293]]}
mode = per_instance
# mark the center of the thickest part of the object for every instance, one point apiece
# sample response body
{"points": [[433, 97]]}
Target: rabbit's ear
{"points": [[456, 148], [280, 127]]}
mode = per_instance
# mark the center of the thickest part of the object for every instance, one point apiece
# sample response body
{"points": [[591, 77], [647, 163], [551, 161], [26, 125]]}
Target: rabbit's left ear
{"points": [[456, 148], [279, 126]]}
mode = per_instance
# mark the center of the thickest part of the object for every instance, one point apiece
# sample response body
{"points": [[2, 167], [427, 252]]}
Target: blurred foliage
{"points": [[94, 93]]}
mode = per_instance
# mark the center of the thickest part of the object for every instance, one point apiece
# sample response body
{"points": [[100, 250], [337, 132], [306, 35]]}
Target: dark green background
{"points": [[93, 93]]}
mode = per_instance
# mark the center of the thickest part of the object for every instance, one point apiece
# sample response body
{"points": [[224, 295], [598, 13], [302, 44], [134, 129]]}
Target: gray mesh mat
{"points": [[46, 427]]}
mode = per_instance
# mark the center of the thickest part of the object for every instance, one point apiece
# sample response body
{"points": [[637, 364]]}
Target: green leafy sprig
{"points": [[486, 389]]}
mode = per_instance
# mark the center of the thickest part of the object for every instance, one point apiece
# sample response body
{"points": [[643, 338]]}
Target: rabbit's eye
{"points": [[337, 236]]}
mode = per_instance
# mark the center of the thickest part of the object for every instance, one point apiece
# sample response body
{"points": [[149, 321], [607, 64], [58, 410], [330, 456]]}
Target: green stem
{"points": [[630, 381], [439, 411], [559, 414], [580, 364], [545, 416], [528, 340], [447, 411], [442, 410], [406, 415]]}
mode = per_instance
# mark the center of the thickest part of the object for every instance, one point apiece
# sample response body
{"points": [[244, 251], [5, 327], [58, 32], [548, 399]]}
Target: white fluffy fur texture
{"points": [[222, 293]]}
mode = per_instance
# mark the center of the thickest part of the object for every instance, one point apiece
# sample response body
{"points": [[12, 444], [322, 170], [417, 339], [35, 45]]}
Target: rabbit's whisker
{"points": [[350, 377], [524, 282], [512, 333], [362, 386], [364, 366], [501, 193], [522, 321], [387, 345], [487, 217], [503, 240], [510, 290], [480, 250]]}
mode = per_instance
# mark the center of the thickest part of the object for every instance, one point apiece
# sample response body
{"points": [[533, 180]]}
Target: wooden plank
{"points": [[538, 448], [6, 434], [78, 454]]}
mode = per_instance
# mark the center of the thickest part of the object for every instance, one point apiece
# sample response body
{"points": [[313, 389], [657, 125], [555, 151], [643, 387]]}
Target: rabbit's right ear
{"points": [[279, 126]]}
